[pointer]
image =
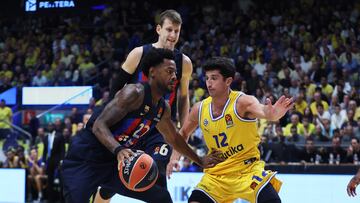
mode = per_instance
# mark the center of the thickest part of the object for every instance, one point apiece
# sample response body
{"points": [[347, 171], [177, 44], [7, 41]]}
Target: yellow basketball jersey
{"points": [[237, 138]]}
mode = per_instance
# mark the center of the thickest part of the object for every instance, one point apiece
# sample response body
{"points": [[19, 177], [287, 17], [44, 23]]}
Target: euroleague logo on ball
{"points": [[142, 165]]}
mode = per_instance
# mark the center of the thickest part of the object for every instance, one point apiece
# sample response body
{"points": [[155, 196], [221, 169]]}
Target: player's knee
{"points": [[269, 195], [163, 197], [106, 194]]}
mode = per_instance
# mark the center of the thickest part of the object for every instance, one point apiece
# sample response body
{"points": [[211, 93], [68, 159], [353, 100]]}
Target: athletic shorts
{"points": [[247, 186]]}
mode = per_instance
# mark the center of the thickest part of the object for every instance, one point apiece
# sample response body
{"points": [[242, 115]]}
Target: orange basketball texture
{"points": [[140, 173]]}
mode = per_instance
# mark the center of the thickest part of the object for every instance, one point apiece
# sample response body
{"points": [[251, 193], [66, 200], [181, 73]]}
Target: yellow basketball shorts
{"points": [[245, 185]]}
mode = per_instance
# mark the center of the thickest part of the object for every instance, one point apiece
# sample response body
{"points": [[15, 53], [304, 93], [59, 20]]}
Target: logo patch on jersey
{"points": [[229, 121], [158, 116], [122, 138], [206, 122], [146, 110], [253, 185]]}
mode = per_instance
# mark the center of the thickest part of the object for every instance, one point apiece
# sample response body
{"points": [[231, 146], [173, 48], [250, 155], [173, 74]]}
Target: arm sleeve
{"points": [[119, 81]]}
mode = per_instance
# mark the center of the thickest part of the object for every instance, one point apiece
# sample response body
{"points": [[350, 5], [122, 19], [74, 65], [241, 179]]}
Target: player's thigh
{"points": [[79, 181], [161, 153], [154, 194], [268, 195]]}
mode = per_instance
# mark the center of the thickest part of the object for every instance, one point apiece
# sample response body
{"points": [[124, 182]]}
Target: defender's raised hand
{"points": [[278, 110]]}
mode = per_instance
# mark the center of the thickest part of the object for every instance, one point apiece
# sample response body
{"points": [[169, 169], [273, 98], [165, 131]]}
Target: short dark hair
{"points": [[172, 15], [319, 105], [154, 57], [224, 65]]}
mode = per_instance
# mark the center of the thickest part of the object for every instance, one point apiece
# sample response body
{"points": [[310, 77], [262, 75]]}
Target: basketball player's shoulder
{"points": [[137, 50], [134, 91], [133, 58], [186, 60]]}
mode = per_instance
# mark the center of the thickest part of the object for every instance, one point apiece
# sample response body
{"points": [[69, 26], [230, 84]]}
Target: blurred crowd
{"points": [[305, 49]]}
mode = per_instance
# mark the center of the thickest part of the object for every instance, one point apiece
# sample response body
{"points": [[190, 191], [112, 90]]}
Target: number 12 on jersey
{"points": [[221, 140]]}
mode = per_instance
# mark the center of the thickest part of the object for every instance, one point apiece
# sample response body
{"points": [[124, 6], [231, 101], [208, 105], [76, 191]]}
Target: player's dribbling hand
{"points": [[351, 188], [125, 154], [212, 159]]}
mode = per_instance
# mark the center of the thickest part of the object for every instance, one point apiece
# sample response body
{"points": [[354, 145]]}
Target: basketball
{"points": [[140, 173]]}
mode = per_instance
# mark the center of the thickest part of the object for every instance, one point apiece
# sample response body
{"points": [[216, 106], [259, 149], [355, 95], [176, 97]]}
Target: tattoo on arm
{"points": [[128, 99]]}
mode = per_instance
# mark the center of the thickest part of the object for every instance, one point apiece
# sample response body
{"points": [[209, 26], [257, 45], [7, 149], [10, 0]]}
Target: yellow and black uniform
{"points": [[242, 174]]}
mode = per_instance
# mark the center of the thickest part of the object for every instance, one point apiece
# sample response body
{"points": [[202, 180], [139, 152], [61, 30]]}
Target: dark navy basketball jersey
{"points": [[135, 124], [138, 76]]}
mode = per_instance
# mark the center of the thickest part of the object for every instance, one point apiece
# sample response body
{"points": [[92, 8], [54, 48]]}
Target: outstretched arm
{"points": [[354, 182], [249, 107]]}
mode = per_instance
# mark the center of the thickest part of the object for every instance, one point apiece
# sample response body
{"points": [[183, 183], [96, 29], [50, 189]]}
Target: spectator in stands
{"points": [[336, 151], [353, 106], [58, 125], [351, 65], [338, 118], [308, 154], [11, 161], [294, 135], [309, 128], [350, 120], [104, 99], [295, 121], [37, 174], [310, 88], [318, 100], [54, 152], [347, 133], [276, 87], [104, 79], [87, 69], [39, 79], [300, 103], [321, 114], [319, 134], [334, 101], [5, 120], [20, 152], [326, 88], [353, 151], [199, 92]]}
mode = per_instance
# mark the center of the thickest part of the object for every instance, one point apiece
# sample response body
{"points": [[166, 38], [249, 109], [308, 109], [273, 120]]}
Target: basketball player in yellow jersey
{"points": [[228, 122]]}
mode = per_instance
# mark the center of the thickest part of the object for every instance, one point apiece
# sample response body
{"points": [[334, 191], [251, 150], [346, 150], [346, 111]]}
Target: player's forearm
{"points": [[184, 105], [182, 147], [103, 134]]}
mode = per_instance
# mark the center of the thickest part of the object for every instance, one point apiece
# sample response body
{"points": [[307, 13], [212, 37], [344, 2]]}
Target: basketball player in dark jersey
{"points": [[113, 132], [168, 30]]}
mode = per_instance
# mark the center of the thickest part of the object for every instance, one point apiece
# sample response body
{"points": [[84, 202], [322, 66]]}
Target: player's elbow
{"points": [[96, 128], [171, 139]]}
